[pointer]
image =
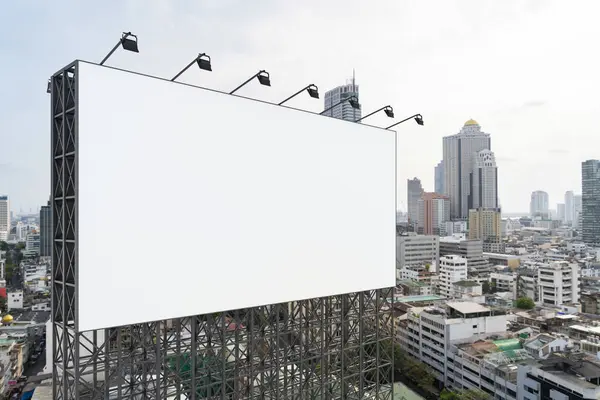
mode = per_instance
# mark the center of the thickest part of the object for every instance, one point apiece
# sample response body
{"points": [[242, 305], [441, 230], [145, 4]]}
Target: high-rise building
{"points": [[414, 193], [45, 231], [558, 283], [345, 110], [439, 177], [569, 209], [471, 249], [561, 214], [590, 201], [4, 218], [485, 224], [577, 210], [434, 211], [460, 151], [484, 181], [539, 204]]}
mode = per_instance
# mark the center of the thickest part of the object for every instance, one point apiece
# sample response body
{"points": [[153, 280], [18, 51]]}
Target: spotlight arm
{"points": [[404, 120], [249, 79], [297, 93], [341, 102], [188, 66], [123, 37], [374, 112]]}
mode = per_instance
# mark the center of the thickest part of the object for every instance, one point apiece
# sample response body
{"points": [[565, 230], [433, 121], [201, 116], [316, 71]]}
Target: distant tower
{"points": [[414, 192], [45, 231], [569, 207], [539, 204], [590, 202], [343, 111], [460, 151], [439, 178], [484, 181], [4, 218]]}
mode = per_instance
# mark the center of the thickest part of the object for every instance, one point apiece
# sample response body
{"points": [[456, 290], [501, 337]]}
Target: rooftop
{"points": [[466, 283], [415, 299], [467, 307]]}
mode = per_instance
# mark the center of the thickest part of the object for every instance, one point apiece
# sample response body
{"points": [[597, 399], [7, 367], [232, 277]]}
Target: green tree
{"points": [[3, 306], [464, 394], [525, 303], [3, 246]]}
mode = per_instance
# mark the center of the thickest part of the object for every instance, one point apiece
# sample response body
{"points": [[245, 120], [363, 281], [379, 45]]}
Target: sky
{"points": [[526, 70]]}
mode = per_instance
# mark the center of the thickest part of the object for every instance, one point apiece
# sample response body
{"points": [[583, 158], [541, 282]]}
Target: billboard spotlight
{"points": [[312, 89], [353, 100], [203, 61], [417, 117], [127, 43], [263, 78], [389, 111]]}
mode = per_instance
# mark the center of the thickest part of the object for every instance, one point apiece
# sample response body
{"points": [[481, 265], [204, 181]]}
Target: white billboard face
{"points": [[192, 201]]}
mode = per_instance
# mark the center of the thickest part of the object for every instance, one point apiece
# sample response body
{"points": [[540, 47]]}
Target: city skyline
{"points": [[452, 66]]}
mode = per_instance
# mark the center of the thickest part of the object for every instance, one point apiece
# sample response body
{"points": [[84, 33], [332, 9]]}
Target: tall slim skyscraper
{"points": [[560, 212], [45, 231], [460, 151], [4, 218], [484, 181], [539, 204], [569, 209], [576, 210], [439, 178], [590, 202], [414, 191], [345, 110]]}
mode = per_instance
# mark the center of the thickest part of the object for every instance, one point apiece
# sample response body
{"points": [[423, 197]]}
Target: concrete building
{"points": [[439, 177], [431, 334], [590, 202], [576, 210], [14, 300], [563, 376], [569, 207], [434, 212], [509, 260], [452, 269], [472, 250], [484, 181], [558, 283], [4, 218], [561, 214], [485, 224], [539, 204], [417, 250], [460, 152], [342, 111], [32, 245], [414, 193], [504, 283], [45, 231], [456, 227], [468, 290]]}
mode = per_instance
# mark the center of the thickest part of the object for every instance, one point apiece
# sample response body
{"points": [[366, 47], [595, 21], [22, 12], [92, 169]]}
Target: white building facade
{"points": [[558, 283], [452, 269], [4, 218]]}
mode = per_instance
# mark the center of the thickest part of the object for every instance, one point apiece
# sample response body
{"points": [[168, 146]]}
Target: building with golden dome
{"points": [[460, 160]]}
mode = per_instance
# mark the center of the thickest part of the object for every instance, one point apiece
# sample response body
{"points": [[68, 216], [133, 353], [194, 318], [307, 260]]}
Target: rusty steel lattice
{"points": [[323, 348]]}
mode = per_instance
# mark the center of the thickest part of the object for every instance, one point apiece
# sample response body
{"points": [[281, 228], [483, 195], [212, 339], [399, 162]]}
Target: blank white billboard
{"points": [[192, 201]]}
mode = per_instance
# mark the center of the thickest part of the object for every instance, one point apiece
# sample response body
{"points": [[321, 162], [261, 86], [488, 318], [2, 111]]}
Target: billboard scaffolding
{"points": [[330, 347]]}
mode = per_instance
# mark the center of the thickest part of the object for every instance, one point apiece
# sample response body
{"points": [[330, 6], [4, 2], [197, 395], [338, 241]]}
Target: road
{"points": [[32, 370]]}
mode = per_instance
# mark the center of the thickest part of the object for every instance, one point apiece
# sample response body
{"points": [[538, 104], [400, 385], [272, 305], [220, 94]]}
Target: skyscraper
{"points": [[345, 110], [484, 181], [4, 218], [569, 209], [590, 201], [539, 204], [485, 225], [560, 212], [414, 191], [439, 178], [45, 231], [576, 210], [460, 151], [434, 211]]}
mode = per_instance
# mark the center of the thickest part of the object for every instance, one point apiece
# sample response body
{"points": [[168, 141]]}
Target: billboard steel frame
{"points": [[334, 347]]}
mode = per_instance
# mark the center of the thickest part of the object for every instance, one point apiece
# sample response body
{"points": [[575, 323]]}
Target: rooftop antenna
{"points": [[354, 91]]}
